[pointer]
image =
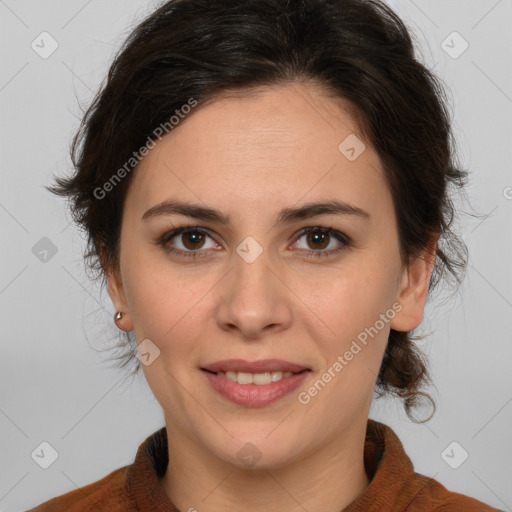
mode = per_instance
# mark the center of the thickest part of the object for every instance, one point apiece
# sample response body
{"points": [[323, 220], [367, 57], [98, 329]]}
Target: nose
{"points": [[254, 299]]}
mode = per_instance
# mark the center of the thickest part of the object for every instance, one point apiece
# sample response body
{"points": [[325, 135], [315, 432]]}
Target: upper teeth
{"points": [[254, 378]]}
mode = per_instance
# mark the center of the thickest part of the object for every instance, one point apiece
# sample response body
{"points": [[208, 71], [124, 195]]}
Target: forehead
{"points": [[266, 147]]}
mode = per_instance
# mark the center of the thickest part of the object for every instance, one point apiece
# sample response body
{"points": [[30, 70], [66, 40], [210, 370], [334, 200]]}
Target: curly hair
{"points": [[357, 50]]}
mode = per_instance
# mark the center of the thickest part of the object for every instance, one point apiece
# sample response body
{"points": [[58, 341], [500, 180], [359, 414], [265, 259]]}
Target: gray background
{"points": [[55, 385]]}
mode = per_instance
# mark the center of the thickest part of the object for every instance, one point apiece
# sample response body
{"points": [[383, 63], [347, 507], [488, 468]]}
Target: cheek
{"points": [[348, 300], [167, 304], [352, 316]]}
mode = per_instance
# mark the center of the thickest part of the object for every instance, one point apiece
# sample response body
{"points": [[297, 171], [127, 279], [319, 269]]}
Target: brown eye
{"points": [[188, 242], [317, 239], [193, 240]]}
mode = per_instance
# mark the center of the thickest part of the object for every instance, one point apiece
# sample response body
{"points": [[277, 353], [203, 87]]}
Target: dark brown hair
{"points": [[357, 50]]}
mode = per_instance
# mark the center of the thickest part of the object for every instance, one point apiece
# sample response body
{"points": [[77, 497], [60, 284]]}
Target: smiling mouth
{"points": [[261, 379]]}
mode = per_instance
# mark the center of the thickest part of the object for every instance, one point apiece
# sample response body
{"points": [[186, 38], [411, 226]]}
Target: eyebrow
{"points": [[287, 215]]}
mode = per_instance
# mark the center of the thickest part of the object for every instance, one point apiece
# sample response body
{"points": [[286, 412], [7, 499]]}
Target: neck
{"points": [[326, 480]]}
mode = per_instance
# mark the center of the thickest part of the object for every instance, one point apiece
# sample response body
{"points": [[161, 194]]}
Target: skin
{"points": [[250, 155]]}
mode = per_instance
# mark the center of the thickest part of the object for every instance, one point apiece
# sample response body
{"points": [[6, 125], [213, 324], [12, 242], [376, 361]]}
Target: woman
{"points": [[265, 187]]}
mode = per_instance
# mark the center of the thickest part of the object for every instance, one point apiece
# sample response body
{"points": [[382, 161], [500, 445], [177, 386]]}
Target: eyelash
{"points": [[346, 242]]}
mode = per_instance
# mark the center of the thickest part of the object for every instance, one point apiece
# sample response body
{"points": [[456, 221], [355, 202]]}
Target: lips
{"points": [[261, 366], [255, 394]]}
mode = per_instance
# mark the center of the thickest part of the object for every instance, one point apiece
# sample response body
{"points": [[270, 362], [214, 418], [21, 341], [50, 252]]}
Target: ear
{"points": [[117, 295], [413, 290]]}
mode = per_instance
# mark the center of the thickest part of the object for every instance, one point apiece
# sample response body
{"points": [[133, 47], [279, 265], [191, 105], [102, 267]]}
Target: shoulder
{"points": [[123, 489], [108, 494], [395, 483], [435, 497]]}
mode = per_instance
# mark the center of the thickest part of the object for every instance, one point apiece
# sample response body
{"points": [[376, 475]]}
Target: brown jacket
{"points": [[394, 486]]}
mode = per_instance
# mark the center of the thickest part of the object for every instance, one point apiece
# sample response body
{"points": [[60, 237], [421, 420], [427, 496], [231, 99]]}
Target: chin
{"points": [[256, 453]]}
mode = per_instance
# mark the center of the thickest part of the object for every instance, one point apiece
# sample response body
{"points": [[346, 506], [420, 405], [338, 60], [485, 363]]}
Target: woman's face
{"points": [[254, 286]]}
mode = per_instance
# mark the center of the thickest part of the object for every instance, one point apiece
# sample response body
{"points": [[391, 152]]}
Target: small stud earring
{"points": [[118, 316]]}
